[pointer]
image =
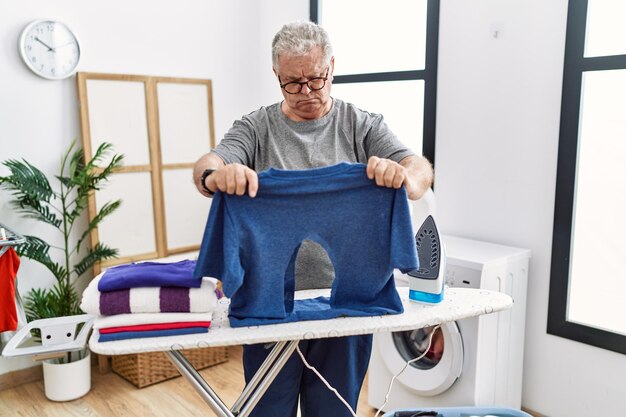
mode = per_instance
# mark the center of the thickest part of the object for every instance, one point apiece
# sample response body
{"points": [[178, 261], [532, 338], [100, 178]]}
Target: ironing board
{"points": [[458, 303]]}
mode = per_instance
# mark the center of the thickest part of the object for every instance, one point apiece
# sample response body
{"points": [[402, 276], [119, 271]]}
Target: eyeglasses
{"points": [[314, 84]]}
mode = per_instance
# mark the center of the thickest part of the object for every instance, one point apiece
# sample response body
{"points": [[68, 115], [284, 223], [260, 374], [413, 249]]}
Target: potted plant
{"points": [[34, 197]]}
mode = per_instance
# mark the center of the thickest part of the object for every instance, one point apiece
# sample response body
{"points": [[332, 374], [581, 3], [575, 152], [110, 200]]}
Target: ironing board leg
{"points": [[257, 377], [253, 392], [188, 371], [271, 374]]}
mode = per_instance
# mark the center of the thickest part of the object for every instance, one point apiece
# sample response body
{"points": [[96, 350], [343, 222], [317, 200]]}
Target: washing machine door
{"points": [[439, 368]]}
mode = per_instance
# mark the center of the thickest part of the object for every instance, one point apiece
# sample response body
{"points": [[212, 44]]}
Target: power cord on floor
{"points": [[331, 388]]}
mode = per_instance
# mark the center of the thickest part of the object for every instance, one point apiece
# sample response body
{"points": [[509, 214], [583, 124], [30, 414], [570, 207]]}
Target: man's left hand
{"points": [[386, 172], [414, 172]]}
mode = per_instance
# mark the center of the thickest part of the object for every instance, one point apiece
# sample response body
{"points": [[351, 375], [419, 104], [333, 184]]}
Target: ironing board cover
{"points": [[458, 303]]}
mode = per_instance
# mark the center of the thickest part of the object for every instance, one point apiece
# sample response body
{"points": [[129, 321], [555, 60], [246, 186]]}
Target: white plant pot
{"points": [[67, 381]]}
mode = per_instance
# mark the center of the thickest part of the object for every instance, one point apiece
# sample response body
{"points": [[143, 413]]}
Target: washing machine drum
{"points": [[437, 370]]}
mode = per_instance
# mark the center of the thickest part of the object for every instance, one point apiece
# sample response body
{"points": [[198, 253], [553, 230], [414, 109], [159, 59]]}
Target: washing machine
{"points": [[480, 360]]}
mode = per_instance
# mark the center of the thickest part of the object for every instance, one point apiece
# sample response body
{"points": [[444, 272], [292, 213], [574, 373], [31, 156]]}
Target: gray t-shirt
{"points": [[266, 138]]}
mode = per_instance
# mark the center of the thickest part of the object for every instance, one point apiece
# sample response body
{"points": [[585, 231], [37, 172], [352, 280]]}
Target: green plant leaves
{"points": [[36, 249], [83, 178], [108, 208], [31, 191], [60, 300], [27, 182], [99, 253], [34, 197]]}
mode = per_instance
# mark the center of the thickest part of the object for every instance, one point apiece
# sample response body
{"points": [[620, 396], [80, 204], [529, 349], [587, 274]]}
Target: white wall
{"points": [[497, 138], [226, 41]]}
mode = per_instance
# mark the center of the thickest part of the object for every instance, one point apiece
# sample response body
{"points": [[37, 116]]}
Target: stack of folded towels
{"points": [[150, 299]]}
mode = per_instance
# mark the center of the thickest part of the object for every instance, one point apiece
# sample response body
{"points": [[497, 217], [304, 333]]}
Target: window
{"points": [[392, 69], [588, 277]]}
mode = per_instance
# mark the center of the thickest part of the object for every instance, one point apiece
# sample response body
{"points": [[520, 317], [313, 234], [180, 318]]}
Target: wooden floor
{"points": [[112, 396]]}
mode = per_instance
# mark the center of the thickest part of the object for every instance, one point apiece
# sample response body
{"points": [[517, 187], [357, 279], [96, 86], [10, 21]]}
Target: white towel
{"points": [[147, 299]]}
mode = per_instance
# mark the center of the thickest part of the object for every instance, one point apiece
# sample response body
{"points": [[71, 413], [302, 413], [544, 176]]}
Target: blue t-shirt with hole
{"points": [[251, 244]]}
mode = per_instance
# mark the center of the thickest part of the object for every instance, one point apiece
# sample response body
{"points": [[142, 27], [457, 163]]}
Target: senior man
{"points": [[309, 129]]}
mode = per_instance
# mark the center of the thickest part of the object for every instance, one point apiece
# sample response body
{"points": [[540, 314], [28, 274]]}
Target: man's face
{"points": [[307, 104]]}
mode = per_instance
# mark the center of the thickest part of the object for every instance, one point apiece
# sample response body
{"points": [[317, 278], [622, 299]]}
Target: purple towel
{"points": [[171, 300], [115, 302], [174, 300], [150, 274]]}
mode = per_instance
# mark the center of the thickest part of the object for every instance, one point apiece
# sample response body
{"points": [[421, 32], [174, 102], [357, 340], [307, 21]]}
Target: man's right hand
{"points": [[233, 179]]}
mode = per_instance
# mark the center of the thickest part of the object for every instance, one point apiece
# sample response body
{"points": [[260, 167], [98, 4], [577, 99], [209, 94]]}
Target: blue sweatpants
{"points": [[342, 361]]}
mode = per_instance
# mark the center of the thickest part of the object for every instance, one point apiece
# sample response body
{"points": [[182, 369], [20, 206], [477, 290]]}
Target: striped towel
{"points": [[150, 299]]}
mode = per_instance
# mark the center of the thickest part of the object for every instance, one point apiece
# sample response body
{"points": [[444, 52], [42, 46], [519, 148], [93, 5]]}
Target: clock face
{"points": [[50, 49]]}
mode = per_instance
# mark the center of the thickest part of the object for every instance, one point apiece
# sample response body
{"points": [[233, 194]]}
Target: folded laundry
{"points": [[150, 299], [151, 333], [149, 274], [154, 326], [149, 318]]}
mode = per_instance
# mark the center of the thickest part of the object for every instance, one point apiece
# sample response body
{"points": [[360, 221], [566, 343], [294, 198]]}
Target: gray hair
{"points": [[298, 38]]}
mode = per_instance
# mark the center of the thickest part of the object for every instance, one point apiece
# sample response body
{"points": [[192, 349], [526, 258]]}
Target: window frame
{"points": [[575, 65], [428, 75]]}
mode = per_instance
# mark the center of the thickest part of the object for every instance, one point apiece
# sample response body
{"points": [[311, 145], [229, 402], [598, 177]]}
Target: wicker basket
{"points": [[145, 369]]}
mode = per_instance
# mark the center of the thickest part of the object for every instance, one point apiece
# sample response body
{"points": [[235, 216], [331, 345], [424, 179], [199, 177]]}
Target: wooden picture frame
{"points": [[161, 125]]}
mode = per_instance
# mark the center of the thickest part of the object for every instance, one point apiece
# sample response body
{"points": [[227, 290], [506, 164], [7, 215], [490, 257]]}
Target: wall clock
{"points": [[50, 49]]}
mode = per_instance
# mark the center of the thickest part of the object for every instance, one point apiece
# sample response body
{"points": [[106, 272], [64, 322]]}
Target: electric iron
{"points": [[426, 284]]}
